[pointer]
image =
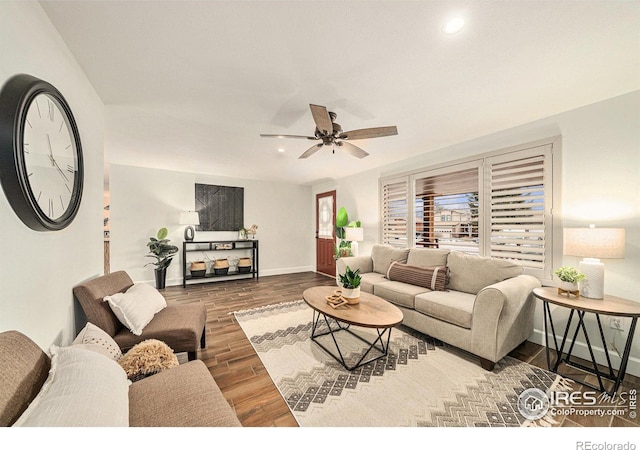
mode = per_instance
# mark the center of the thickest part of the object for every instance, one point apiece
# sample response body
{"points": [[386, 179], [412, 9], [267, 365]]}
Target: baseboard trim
{"points": [[263, 273], [580, 350]]}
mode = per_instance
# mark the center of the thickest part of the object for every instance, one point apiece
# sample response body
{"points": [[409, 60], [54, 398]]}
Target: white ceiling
{"points": [[190, 85]]}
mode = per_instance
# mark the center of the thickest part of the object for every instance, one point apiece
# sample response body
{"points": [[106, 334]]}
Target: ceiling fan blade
{"points": [[322, 119], [368, 133], [291, 136], [353, 150], [311, 151]]}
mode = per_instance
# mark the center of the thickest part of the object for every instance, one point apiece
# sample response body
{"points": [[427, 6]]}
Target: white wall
{"points": [[39, 269], [144, 200], [600, 184]]}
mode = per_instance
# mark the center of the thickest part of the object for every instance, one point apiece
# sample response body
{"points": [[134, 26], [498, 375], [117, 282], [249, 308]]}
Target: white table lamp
{"points": [[355, 235], [189, 218], [593, 243]]}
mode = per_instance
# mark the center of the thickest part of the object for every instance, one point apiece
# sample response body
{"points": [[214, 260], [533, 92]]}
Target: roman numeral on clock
{"points": [[51, 111]]}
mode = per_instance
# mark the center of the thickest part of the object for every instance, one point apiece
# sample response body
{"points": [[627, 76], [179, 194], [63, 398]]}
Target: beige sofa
{"points": [[183, 396], [486, 308]]}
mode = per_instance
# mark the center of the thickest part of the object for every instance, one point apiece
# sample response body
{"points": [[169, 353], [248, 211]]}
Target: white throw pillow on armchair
{"points": [[136, 307], [95, 339]]}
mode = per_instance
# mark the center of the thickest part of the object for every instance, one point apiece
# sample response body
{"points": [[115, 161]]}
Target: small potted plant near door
{"points": [[350, 281], [569, 278], [162, 251]]}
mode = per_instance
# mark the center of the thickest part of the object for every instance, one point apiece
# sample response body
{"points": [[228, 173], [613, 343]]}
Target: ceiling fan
{"points": [[331, 134]]}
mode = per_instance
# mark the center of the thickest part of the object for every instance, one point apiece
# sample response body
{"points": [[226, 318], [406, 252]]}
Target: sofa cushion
{"points": [[369, 280], [427, 257], [93, 338], [433, 278], [179, 326], [84, 389], [90, 295], [157, 402], [136, 307], [401, 294], [25, 368], [451, 306], [470, 273], [384, 255]]}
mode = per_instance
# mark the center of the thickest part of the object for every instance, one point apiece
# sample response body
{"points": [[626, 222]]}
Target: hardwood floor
{"points": [[243, 379]]}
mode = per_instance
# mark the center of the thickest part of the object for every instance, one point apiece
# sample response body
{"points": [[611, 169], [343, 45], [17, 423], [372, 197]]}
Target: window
{"points": [[447, 208], [498, 204], [519, 199], [394, 212]]}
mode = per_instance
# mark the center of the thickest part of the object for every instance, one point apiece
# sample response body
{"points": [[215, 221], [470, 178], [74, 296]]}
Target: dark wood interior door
{"points": [[325, 233]]}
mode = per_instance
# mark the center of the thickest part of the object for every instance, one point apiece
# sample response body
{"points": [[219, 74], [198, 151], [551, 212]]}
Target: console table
{"points": [[220, 246], [579, 306]]}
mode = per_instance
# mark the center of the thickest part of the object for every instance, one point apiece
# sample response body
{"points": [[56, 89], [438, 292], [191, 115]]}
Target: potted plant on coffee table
{"points": [[350, 282], [162, 251]]}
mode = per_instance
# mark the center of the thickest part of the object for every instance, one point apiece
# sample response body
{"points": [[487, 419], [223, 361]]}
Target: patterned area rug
{"points": [[420, 383]]}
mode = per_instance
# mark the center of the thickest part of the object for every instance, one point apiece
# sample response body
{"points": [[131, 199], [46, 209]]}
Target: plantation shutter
{"points": [[446, 208], [520, 208], [394, 194]]}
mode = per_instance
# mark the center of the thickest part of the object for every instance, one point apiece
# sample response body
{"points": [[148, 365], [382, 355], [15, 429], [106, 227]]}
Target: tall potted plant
{"points": [[342, 221], [162, 251]]}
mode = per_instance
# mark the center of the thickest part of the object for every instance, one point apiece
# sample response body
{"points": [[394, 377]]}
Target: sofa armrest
{"points": [[364, 263], [503, 316], [184, 396]]}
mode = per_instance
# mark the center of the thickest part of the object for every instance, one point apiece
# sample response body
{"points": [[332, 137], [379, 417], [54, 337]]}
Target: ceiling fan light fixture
{"points": [[325, 121], [453, 25]]}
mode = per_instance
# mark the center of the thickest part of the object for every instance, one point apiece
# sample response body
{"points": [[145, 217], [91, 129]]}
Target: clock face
{"points": [[41, 164], [50, 160]]}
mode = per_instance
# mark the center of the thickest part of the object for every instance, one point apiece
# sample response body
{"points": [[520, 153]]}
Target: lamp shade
{"points": [[353, 234], [189, 218], [594, 242]]}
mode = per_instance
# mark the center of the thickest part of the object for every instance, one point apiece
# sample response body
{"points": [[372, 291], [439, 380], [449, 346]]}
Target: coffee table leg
{"points": [[332, 330]]}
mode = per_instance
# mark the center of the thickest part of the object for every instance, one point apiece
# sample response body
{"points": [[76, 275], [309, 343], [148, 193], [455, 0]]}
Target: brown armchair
{"points": [[181, 327]]}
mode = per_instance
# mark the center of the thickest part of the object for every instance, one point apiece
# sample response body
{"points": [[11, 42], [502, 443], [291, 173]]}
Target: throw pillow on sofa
{"points": [[434, 278], [471, 273], [95, 339], [384, 255], [83, 389], [136, 307]]}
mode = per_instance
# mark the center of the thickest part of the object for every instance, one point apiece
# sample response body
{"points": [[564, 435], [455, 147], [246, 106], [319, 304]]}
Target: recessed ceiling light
{"points": [[281, 150], [453, 26]]}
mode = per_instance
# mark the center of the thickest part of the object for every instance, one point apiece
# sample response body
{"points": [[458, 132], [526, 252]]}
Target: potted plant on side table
{"points": [[162, 251], [350, 281], [569, 278]]}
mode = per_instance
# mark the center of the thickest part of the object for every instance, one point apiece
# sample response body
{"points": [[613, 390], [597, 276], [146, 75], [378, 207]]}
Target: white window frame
{"points": [[550, 147], [383, 223]]}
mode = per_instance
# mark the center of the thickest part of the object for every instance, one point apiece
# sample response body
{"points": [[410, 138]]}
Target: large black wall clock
{"points": [[41, 166]]}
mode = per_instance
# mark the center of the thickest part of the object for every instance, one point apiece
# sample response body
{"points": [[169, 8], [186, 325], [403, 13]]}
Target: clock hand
{"points": [[53, 161], [60, 170]]}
